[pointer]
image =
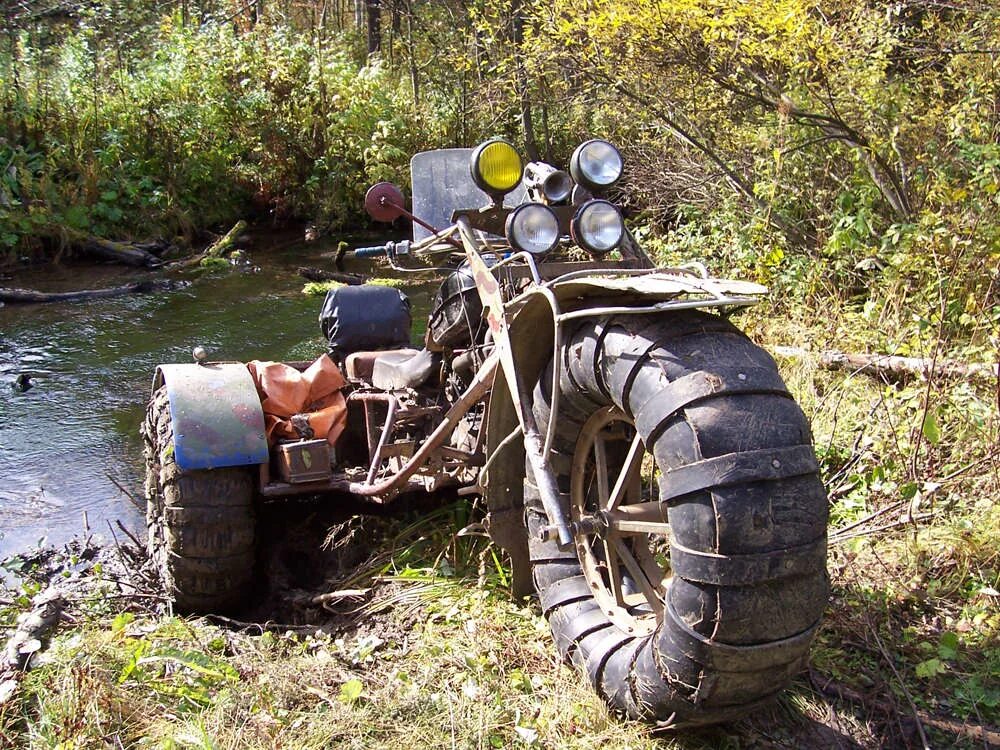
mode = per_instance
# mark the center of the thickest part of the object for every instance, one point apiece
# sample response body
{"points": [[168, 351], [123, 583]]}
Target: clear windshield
{"points": [[442, 183]]}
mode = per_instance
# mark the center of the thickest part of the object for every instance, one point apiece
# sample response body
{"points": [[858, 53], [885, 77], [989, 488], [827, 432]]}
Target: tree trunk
{"points": [[374, 12], [527, 120], [412, 56]]}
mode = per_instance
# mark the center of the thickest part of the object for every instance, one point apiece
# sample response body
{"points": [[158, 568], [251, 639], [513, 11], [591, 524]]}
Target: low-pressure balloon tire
{"points": [[737, 604], [200, 524]]}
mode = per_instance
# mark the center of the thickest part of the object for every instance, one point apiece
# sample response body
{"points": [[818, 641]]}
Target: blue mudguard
{"points": [[216, 415]]}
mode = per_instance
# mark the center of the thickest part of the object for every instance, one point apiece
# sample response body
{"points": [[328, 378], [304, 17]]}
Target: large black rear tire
{"points": [[727, 622], [200, 524]]}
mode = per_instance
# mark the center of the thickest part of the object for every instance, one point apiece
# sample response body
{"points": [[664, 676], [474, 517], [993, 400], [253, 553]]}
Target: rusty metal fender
{"points": [[503, 488], [216, 414], [532, 328]]}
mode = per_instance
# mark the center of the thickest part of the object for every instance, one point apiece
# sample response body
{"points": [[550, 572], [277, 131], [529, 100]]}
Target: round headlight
{"points": [[533, 228], [596, 165], [598, 227], [496, 167]]}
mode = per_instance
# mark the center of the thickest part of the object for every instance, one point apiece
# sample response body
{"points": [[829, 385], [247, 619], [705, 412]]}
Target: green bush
{"points": [[196, 128]]}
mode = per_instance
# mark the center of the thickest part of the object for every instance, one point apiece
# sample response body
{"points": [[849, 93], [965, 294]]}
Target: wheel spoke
{"points": [[614, 573], [628, 474], [636, 571], [601, 464], [638, 518], [614, 528]]}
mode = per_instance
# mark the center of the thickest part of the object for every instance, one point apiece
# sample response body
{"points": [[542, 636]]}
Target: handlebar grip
{"points": [[369, 252]]}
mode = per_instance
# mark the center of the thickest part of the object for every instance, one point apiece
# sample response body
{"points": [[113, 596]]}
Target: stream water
{"points": [[70, 451]]}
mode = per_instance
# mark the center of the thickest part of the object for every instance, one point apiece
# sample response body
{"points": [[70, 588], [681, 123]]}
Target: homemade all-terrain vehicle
{"points": [[643, 464]]}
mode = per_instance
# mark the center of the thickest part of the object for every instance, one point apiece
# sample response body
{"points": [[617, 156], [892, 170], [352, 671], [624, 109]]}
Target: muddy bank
{"points": [[320, 565]]}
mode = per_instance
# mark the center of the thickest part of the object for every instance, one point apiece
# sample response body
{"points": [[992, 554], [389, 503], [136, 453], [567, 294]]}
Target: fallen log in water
{"points": [[217, 249], [138, 254], [31, 297], [226, 242], [891, 366]]}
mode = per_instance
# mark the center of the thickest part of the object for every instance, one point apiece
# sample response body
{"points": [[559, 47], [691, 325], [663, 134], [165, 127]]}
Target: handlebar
{"points": [[370, 252]]}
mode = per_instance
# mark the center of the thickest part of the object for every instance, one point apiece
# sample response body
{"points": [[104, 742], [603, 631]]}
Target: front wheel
{"points": [[200, 524], [697, 576]]}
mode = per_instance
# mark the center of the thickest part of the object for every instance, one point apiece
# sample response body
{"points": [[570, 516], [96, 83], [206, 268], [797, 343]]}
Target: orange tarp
{"points": [[313, 395]]}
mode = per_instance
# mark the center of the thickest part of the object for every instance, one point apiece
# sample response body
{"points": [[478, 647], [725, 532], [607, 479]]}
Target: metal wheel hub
{"points": [[619, 527]]}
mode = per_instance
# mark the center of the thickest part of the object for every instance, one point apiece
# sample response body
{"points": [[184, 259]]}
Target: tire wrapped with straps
{"points": [[200, 524], [698, 573]]}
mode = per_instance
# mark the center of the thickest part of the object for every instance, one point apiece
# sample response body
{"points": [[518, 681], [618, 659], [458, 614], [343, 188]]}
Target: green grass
{"points": [[442, 656]]}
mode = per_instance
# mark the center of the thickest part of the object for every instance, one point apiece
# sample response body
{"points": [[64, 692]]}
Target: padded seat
{"points": [[402, 368], [361, 365]]}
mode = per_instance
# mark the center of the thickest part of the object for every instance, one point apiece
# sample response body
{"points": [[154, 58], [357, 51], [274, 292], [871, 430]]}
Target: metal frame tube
{"points": [[480, 386]]}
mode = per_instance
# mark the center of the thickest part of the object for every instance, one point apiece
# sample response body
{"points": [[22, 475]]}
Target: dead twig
{"points": [[989, 736], [836, 538], [870, 517], [135, 501], [899, 679], [129, 534], [121, 556], [262, 627], [344, 594]]}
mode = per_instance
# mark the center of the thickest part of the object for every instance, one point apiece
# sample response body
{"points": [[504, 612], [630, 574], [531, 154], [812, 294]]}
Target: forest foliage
{"points": [[819, 144], [844, 152]]}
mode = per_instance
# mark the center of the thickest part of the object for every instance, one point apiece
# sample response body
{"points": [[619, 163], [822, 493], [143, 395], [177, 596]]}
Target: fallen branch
{"points": [[318, 274], [32, 297], [217, 249], [335, 596], [33, 629], [226, 242], [870, 517], [908, 520], [262, 627], [140, 504], [838, 691], [888, 365]]}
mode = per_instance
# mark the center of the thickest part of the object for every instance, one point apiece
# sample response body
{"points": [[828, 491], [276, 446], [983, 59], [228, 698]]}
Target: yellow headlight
{"points": [[496, 167]]}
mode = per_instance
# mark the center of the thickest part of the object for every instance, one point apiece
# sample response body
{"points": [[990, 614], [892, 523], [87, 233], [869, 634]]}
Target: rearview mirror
{"points": [[384, 202]]}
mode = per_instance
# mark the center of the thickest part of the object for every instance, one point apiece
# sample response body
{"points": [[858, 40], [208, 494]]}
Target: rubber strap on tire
{"points": [[737, 468], [724, 657], [599, 656], [747, 570], [651, 417], [570, 624], [565, 591]]}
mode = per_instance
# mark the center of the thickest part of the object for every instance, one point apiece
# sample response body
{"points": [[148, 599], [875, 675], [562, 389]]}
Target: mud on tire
{"points": [[200, 524], [727, 622]]}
